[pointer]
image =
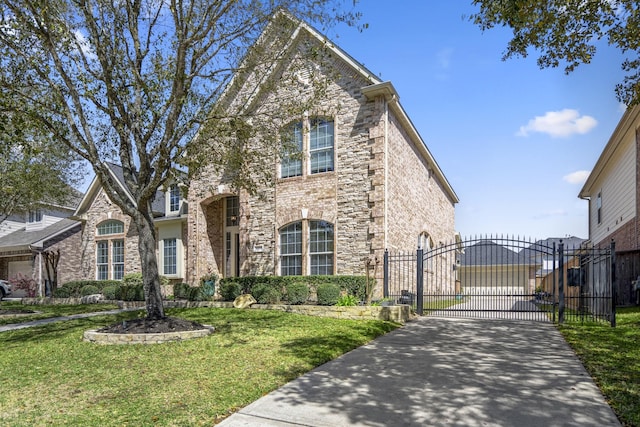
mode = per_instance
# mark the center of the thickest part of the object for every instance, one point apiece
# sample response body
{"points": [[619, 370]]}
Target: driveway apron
{"points": [[443, 372]]}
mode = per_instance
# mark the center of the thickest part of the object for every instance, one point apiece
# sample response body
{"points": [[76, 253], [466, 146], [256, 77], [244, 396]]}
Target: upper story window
{"points": [[110, 227], [291, 164], [599, 207], [35, 216], [308, 148], [321, 146], [174, 198]]}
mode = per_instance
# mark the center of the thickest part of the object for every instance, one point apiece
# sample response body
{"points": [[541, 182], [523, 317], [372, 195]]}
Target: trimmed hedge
{"points": [[89, 290], [231, 287], [109, 292], [230, 290], [328, 294], [73, 289], [296, 293]]}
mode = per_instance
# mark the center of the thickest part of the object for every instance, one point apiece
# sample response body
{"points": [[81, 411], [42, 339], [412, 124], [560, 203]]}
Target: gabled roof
{"points": [[376, 88], [487, 252], [23, 240], [158, 205], [627, 121]]}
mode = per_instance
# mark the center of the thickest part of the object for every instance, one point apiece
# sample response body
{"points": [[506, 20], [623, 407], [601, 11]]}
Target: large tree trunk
{"points": [[149, 264]]}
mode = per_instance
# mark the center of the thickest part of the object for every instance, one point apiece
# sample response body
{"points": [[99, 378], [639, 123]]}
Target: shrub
{"points": [[109, 292], [197, 293], [347, 301], [61, 293], [181, 290], [266, 294], [230, 290], [74, 288], [135, 279], [24, 283], [297, 293], [89, 290], [130, 293], [328, 293]]}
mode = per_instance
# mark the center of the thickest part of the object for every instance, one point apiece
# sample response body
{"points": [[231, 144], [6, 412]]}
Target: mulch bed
{"points": [[152, 326]]}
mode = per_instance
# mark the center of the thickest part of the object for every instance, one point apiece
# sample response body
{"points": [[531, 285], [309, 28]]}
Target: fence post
{"points": [[553, 283], [385, 269], [561, 282], [614, 285], [419, 283]]}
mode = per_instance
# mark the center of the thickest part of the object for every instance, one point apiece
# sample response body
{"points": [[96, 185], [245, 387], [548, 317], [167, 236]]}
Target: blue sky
{"points": [[514, 141]]}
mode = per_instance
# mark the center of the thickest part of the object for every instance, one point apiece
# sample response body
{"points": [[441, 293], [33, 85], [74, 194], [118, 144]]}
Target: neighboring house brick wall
{"points": [[70, 264]]}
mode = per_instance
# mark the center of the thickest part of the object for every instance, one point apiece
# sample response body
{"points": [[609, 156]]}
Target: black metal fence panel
{"points": [[505, 277]]}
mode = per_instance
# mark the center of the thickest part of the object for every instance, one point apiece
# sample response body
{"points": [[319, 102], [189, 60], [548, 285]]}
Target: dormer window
{"points": [[174, 198], [35, 216]]}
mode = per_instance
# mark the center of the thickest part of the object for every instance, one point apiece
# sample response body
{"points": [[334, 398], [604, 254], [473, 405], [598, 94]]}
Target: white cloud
{"points": [[559, 124], [577, 177], [444, 57]]}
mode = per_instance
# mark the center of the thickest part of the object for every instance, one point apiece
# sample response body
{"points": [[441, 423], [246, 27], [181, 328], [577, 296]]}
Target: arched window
{"points": [[110, 250], [307, 247], [110, 227], [308, 147]]}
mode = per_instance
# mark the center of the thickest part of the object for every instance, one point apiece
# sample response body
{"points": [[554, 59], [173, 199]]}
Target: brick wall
{"points": [[352, 197]]}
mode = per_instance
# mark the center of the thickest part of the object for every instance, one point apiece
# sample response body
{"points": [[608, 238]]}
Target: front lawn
{"points": [[612, 358], [49, 376]]}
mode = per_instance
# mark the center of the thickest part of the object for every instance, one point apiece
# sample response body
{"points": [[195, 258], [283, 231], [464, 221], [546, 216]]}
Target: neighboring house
{"points": [[489, 268], [613, 192], [26, 240], [109, 247], [365, 181], [541, 253]]}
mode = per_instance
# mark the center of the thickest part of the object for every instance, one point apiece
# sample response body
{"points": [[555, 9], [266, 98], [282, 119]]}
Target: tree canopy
{"points": [[134, 82], [567, 32]]}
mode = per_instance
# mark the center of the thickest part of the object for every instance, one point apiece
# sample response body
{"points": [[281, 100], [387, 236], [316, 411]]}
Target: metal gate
{"points": [[505, 278]]}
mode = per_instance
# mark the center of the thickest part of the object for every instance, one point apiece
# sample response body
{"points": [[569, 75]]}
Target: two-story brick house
{"points": [[613, 192], [363, 181]]}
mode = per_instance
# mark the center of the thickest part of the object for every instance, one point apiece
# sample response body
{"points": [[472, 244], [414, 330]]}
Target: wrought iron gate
{"points": [[509, 278]]}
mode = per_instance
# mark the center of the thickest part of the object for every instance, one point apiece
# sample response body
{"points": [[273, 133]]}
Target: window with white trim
{"points": [[35, 216], [599, 207], [170, 257], [308, 148], [174, 198]]}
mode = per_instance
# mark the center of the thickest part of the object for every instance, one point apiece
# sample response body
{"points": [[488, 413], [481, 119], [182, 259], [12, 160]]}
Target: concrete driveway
{"points": [[443, 372]]}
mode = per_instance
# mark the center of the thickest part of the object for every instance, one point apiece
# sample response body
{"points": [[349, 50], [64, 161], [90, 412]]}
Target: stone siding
{"points": [[102, 209], [352, 197]]}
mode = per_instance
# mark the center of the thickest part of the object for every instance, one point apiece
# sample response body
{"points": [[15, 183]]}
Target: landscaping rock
{"points": [[244, 301], [92, 299]]}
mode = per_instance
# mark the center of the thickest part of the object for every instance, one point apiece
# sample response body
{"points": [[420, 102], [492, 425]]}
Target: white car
{"points": [[5, 289]]}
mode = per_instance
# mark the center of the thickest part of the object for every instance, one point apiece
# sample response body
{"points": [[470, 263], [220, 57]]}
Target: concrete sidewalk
{"points": [[32, 323], [443, 372]]}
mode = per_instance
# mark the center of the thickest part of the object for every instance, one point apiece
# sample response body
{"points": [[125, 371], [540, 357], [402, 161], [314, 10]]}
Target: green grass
{"points": [[49, 376], [47, 311], [612, 358]]}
